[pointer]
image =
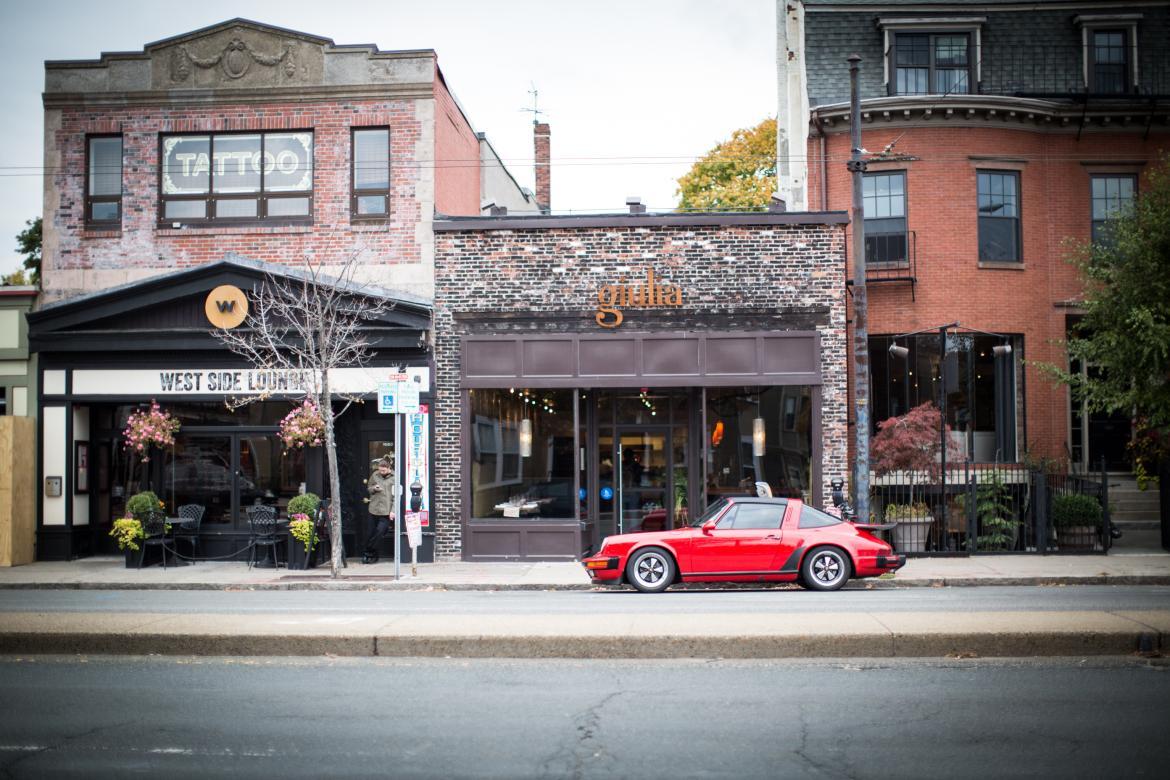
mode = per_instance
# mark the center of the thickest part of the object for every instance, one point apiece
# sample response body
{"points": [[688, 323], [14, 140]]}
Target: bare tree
{"points": [[312, 321]]}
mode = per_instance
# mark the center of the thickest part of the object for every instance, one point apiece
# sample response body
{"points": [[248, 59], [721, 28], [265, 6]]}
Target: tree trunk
{"points": [[337, 545]]}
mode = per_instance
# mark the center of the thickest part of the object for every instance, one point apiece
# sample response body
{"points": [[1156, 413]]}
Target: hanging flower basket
{"points": [[146, 428], [303, 427]]}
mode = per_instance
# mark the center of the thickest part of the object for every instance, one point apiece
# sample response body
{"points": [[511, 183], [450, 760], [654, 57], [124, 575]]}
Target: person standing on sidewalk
{"points": [[380, 486]]}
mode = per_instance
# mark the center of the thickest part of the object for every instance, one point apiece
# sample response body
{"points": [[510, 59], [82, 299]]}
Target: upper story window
{"points": [[932, 63], [103, 181], [1112, 196], [240, 177], [371, 173], [999, 216], [1109, 61], [883, 198]]}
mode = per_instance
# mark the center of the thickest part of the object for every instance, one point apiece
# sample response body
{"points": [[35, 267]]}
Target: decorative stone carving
{"points": [[234, 60]]}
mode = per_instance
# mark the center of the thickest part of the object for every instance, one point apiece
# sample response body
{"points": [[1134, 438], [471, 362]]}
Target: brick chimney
{"points": [[540, 134]]}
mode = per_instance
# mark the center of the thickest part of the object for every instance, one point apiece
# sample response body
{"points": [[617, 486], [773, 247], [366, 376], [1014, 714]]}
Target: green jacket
{"points": [[381, 501]]}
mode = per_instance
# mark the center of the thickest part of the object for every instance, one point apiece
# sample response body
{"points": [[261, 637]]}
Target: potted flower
{"points": [[302, 427], [1077, 519], [128, 530], [146, 428], [909, 446], [302, 510]]}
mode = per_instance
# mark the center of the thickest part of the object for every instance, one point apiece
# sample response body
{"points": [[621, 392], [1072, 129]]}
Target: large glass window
{"points": [[759, 435], [883, 197], [1109, 61], [1112, 196], [522, 444], [371, 173], [103, 181], [999, 215], [926, 64], [237, 176], [982, 400]]}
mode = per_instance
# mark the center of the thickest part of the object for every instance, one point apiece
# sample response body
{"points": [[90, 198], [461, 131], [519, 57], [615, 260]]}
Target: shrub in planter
{"points": [[127, 532], [301, 511], [142, 504], [1078, 519]]}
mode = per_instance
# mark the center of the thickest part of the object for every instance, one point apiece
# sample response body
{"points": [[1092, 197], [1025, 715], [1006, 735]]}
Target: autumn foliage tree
{"points": [[738, 174], [911, 443]]}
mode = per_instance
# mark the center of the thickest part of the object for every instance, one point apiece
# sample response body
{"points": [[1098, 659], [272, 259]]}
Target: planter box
{"points": [[910, 535], [298, 559], [1078, 537]]}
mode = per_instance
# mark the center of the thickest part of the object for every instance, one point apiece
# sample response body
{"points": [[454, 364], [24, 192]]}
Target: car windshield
{"points": [[711, 511]]}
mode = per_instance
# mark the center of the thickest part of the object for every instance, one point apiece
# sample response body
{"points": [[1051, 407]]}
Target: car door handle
{"points": [[773, 536]]}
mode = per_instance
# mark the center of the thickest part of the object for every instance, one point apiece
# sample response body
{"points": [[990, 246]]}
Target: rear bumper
{"points": [[603, 568], [891, 562]]}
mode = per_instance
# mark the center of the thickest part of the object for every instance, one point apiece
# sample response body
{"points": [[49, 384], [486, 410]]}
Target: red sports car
{"points": [[746, 539]]}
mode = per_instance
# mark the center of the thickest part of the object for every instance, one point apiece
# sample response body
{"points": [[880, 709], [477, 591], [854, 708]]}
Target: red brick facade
{"points": [[456, 157], [1030, 298]]}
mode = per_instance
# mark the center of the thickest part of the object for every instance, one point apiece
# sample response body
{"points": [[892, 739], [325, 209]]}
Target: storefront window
{"points": [[981, 394], [759, 435], [522, 454]]}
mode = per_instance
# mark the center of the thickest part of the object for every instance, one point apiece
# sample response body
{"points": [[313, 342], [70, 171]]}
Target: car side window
{"points": [[758, 516], [815, 518], [728, 520]]}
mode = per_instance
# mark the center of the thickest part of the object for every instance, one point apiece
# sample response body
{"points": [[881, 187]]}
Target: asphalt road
{"points": [[199, 717], [1028, 598]]}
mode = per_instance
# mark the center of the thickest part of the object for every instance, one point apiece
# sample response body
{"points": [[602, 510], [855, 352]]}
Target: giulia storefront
{"points": [[617, 374], [109, 355]]}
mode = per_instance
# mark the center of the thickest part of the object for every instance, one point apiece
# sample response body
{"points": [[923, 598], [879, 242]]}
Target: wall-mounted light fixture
{"points": [[526, 438], [758, 434]]}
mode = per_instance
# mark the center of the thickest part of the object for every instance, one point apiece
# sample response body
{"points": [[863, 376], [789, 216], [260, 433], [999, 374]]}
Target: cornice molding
{"points": [[204, 97]]}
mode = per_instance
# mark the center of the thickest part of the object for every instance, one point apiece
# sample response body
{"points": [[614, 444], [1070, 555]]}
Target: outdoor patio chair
{"points": [[323, 527], [190, 516], [262, 522], [154, 526]]}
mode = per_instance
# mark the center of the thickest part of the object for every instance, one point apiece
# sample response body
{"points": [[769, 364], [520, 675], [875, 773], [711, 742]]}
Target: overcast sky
{"points": [[634, 89]]}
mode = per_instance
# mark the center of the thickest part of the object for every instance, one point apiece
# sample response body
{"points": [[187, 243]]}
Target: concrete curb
{"points": [[844, 645], [377, 585]]}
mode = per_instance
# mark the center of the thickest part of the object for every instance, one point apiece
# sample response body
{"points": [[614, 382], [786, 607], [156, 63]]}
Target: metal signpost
{"points": [[398, 398]]}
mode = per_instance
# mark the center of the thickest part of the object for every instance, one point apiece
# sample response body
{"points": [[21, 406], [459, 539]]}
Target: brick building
{"points": [[614, 373], [997, 132], [216, 159]]}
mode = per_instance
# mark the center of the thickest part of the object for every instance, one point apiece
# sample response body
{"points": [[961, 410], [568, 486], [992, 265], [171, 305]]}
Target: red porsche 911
{"points": [[747, 539]]}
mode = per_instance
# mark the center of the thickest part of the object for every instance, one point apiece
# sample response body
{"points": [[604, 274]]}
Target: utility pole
{"points": [[856, 166]]}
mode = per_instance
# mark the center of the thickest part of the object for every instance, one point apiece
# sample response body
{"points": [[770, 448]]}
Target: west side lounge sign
{"points": [[231, 381]]}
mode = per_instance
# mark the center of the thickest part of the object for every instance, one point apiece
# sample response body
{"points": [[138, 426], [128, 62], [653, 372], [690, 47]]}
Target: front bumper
{"points": [[603, 567]]}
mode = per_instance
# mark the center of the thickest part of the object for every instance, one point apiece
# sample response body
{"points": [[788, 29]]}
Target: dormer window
{"points": [[1110, 52], [932, 56]]}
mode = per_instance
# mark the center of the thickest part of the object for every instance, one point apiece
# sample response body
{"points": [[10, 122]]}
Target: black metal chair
{"points": [[323, 533], [190, 517], [262, 522], [154, 525]]}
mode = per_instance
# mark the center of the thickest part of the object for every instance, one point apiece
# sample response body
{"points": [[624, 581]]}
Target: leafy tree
{"points": [[16, 278], [912, 443], [1125, 333], [28, 243], [738, 174]]}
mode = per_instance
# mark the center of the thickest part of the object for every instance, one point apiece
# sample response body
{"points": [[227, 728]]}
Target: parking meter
{"points": [[838, 486], [415, 496]]}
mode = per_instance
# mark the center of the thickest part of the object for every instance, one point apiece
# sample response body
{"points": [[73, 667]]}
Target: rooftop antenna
{"points": [[535, 110]]}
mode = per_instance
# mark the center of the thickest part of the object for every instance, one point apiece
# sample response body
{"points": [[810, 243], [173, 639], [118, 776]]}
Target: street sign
{"points": [[388, 397], [408, 398], [414, 529]]}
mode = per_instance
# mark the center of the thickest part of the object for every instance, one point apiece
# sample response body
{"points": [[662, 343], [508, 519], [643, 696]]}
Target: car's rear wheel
{"points": [[825, 568], [650, 570]]}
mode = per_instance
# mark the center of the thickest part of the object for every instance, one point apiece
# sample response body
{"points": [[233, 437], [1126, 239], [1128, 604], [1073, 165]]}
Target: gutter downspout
{"points": [[824, 164]]}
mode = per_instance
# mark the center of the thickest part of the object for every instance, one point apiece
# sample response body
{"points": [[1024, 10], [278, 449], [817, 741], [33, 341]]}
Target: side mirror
{"points": [[708, 527]]}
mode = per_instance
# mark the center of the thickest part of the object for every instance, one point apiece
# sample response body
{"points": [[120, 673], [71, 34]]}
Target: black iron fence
{"points": [[977, 508]]}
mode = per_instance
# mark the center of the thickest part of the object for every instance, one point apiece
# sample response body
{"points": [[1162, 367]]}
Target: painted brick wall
{"points": [[456, 158], [1054, 170], [144, 248], [760, 277]]}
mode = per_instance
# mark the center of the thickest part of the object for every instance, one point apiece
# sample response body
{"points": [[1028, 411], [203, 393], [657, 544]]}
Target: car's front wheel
{"points": [[650, 570], [825, 568]]}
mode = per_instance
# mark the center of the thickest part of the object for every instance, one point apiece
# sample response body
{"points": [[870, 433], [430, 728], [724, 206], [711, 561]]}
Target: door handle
{"points": [[773, 536]]}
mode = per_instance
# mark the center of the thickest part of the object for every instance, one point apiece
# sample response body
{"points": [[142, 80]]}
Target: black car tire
{"points": [[825, 568], [650, 570]]}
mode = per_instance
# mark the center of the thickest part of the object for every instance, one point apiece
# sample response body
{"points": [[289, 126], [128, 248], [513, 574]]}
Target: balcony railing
{"points": [[900, 270]]}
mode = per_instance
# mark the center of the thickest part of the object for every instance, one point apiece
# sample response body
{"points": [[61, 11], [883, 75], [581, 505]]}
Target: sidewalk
{"points": [[108, 573]]}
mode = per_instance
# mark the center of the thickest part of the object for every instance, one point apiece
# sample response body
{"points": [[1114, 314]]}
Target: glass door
{"points": [[642, 471], [203, 471]]}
